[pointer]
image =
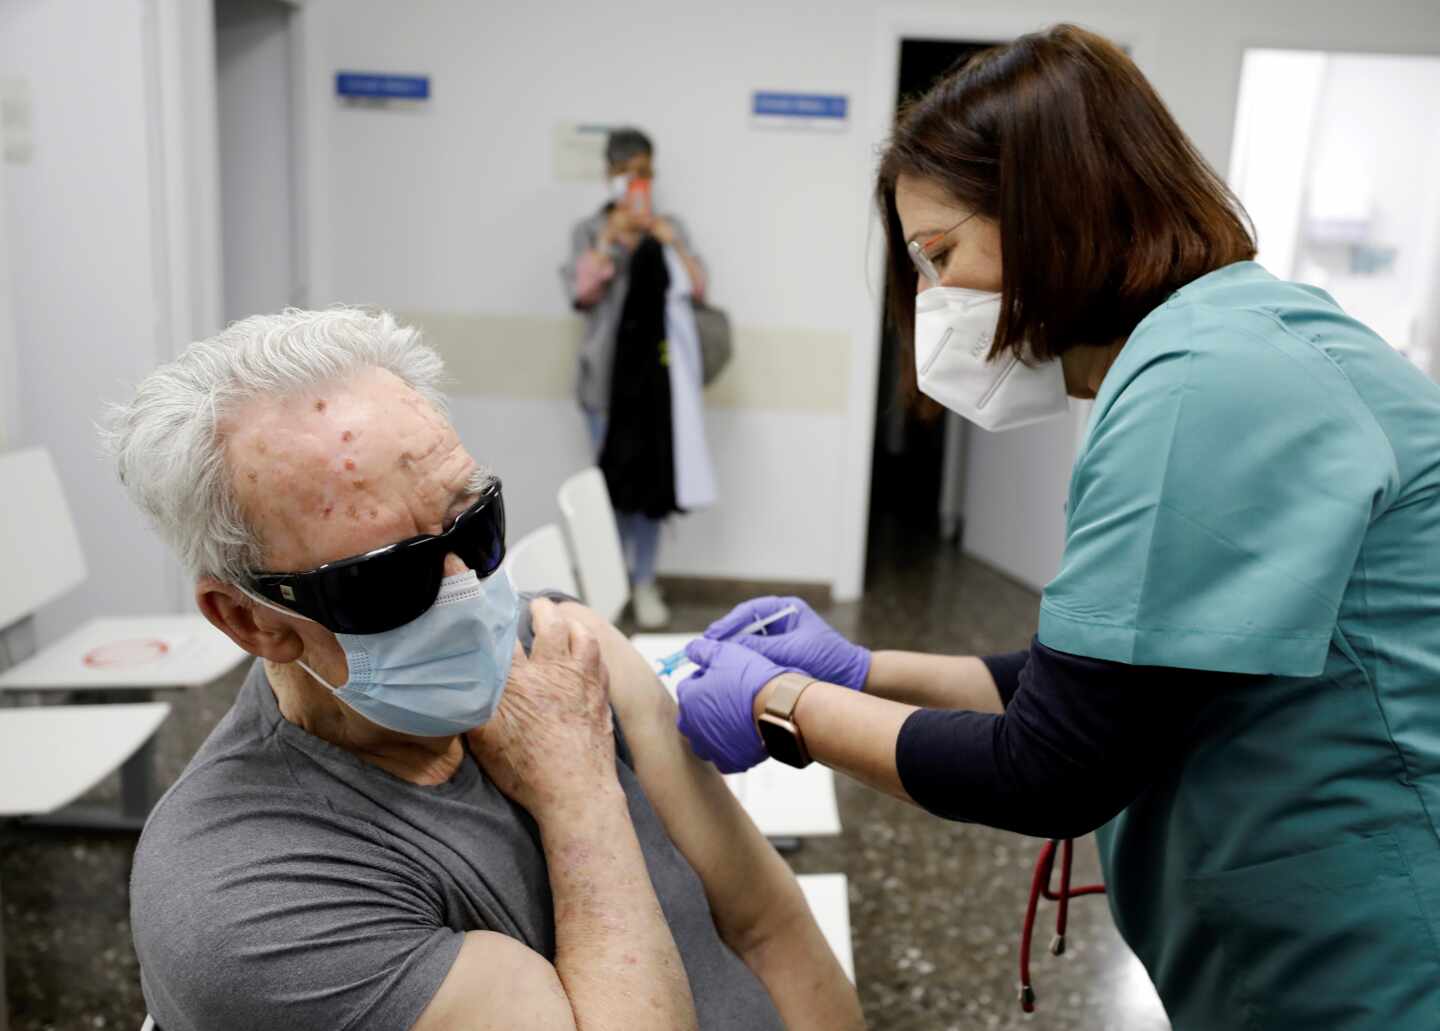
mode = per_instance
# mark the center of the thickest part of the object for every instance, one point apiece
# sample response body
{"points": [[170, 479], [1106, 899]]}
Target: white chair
{"points": [[149, 1024], [595, 543], [133, 656], [52, 754], [540, 561]]}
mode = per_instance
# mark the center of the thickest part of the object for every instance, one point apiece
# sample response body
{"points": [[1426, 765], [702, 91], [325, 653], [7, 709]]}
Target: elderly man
{"points": [[375, 836]]}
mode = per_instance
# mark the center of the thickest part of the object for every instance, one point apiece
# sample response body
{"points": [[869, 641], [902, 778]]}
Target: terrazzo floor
{"points": [[935, 907]]}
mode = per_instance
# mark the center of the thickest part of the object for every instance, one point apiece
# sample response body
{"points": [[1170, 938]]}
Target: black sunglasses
{"points": [[388, 587]]}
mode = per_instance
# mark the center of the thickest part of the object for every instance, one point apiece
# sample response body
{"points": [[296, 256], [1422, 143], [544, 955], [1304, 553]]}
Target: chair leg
{"points": [[4, 1001], [137, 782]]}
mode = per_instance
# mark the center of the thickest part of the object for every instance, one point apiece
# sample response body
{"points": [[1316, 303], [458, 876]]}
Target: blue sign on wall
{"points": [[382, 87], [800, 105]]}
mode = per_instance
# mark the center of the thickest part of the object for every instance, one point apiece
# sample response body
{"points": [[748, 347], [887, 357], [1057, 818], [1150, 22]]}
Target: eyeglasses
{"points": [[388, 587], [922, 256]]}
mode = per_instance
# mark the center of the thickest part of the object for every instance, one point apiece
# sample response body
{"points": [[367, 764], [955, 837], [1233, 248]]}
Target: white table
{"points": [[140, 654], [130, 658], [51, 755], [828, 895]]}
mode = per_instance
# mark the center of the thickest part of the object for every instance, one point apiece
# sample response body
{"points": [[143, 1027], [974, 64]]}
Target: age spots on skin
{"points": [[358, 484], [328, 510], [320, 405], [352, 512], [347, 436]]}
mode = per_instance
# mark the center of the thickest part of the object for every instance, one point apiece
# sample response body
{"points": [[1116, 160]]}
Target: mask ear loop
{"points": [[292, 613]]}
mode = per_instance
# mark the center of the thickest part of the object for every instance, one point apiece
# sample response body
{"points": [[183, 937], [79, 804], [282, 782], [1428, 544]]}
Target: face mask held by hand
{"points": [[954, 330]]}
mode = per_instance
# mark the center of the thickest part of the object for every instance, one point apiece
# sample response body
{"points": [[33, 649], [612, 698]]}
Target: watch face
{"points": [[781, 743]]}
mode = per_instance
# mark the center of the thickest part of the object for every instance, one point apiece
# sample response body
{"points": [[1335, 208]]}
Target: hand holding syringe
{"points": [[675, 661]]}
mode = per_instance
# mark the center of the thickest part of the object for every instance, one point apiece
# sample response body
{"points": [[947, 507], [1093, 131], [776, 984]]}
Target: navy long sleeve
{"points": [[1079, 740], [1005, 671]]}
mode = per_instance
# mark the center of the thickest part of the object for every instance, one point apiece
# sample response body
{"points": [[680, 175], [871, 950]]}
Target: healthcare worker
{"points": [[1237, 671]]}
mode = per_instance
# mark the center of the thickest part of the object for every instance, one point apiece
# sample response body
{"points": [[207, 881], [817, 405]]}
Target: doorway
{"points": [[259, 208], [916, 473], [1336, 157]]}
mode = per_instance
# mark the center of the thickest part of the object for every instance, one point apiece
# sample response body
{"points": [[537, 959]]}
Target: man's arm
{"points": [[616, 965], [758, 907], [550, 747]]}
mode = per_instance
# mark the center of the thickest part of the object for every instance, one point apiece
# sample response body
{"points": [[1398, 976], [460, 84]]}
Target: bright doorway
{"points": [[1337, 158]]}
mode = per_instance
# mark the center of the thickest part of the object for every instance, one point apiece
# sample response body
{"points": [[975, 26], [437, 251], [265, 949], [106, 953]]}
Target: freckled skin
{"points": [[415, 469]]}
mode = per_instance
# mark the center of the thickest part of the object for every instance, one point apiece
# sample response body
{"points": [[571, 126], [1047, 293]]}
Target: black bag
{"points": [[638, 456], [713, 326]]}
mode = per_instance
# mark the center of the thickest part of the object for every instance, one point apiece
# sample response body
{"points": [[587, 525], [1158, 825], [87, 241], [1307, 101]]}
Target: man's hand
{"points": [[551, 740], [551, 748]]}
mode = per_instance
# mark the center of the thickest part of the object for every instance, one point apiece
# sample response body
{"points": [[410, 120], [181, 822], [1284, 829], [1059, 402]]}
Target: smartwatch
{"points": [[777, 723]]}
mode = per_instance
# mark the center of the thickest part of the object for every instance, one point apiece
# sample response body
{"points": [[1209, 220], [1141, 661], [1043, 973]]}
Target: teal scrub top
{"points": [[1258, 492]]}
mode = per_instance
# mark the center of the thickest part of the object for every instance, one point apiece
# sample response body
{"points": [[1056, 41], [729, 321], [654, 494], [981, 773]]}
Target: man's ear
{"points": [[233, 614]]}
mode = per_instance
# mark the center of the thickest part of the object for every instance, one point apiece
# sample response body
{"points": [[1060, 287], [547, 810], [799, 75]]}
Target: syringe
{"points": [[670, 663]]}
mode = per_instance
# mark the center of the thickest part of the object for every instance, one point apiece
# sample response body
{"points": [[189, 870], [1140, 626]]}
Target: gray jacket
{"points": [[602, 319]]}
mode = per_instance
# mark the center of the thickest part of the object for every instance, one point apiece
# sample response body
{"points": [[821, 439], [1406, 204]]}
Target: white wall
{"points": [[9, 360], [450, 208], [82, 258], [114, 224]]}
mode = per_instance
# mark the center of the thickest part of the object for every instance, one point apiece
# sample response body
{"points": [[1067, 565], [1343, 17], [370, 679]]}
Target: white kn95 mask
{"points": [[954, 330]]}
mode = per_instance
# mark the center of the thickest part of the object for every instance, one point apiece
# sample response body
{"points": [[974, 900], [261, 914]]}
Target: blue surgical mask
{"points": [[442, 673]]}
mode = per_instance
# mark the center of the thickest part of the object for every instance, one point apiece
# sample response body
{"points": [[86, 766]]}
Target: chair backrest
{"points": [[149, 1024], [540, 561], [595, 543], [40, 556]]}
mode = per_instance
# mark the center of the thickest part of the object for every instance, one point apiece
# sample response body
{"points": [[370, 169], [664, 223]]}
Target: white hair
{"points": [[167, 442]]}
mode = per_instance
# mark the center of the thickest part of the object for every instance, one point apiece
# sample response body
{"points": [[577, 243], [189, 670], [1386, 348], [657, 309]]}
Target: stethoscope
{"points": [[1040, 885]]}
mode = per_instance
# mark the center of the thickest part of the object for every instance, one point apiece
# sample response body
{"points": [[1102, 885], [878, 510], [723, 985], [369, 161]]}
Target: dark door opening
{"points": [[908, 465]]}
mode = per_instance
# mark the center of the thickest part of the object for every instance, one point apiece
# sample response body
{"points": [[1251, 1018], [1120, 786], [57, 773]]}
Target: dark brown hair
{"points": [[1104, 206]]}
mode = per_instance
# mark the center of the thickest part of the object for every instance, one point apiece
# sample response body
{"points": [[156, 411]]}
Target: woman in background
{"points": [[598, 280]]}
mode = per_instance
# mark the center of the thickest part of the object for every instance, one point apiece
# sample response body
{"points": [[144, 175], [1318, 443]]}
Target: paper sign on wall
{"points": [[578, 152], [15, 120], [823, 111]]}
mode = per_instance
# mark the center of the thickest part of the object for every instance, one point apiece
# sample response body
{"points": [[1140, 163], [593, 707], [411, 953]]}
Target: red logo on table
{"points": [[126, 653]]}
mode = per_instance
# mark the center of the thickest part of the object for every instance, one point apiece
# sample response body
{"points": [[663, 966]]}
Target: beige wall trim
{"points": [[524, 356]]}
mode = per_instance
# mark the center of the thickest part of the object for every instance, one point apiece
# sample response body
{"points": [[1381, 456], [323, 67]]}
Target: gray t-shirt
{"points": [[284, 883]]}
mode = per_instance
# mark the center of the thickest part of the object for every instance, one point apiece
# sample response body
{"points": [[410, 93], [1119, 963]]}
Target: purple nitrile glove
{"points": [[717, 703], [803, 640]]}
